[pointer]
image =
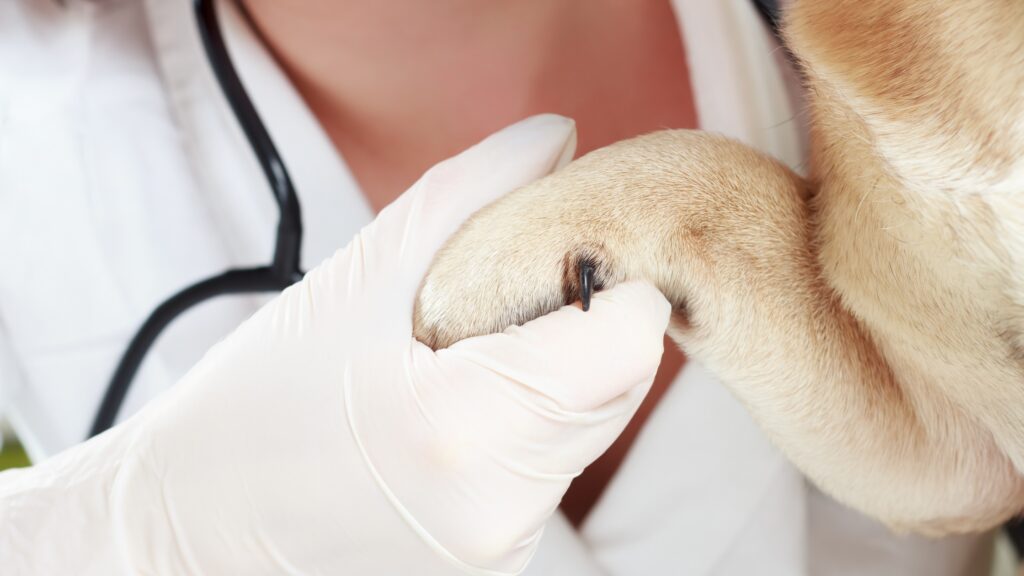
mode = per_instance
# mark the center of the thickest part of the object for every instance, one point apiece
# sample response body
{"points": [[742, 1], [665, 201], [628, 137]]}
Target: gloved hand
{"points": [[321, 438]]}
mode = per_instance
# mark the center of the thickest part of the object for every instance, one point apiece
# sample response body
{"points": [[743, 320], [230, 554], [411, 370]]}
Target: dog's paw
{"points": [[686, 211]]}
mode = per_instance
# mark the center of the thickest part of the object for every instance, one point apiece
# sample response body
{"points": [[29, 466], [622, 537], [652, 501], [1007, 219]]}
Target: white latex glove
{"points": [[321, 438]]}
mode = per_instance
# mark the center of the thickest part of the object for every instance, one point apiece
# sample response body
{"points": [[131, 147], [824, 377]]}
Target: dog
{"points": [[870, 316]]}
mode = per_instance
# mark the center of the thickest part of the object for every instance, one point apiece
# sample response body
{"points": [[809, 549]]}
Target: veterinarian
{"points": [[317, 437]]}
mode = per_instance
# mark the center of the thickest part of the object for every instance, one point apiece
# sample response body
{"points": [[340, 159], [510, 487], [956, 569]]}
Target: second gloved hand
{"points": [[321, 438]]}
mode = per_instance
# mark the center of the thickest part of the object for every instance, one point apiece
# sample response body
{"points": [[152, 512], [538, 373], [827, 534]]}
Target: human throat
{"points": [[395, 104]]}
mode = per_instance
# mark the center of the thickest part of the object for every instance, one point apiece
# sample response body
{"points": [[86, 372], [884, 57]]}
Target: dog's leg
{"points": [[918, 130]]}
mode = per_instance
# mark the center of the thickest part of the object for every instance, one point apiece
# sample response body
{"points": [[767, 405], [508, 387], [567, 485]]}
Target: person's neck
{"points": [[401, 84], [404, 72]]}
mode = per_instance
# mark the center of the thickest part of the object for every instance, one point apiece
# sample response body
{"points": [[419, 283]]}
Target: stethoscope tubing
{"points": [[282, 271]]}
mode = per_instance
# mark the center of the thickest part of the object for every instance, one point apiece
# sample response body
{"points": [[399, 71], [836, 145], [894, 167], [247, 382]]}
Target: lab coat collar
{"points": [[743, 83]]}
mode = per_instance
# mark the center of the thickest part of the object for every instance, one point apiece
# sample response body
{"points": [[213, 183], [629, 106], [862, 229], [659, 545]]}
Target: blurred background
{"points": [[12, 454]]}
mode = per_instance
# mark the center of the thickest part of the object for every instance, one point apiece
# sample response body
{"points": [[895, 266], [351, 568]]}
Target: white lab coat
{"points": [[124, 177]]}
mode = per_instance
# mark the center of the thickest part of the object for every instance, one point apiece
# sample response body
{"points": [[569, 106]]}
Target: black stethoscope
{"points": [[282, 271]]}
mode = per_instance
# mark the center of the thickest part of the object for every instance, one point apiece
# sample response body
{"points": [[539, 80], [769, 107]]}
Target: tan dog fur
{"points": [[872, 317]]}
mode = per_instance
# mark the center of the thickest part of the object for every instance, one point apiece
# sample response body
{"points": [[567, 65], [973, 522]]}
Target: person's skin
{"points": [[400, 85]]}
